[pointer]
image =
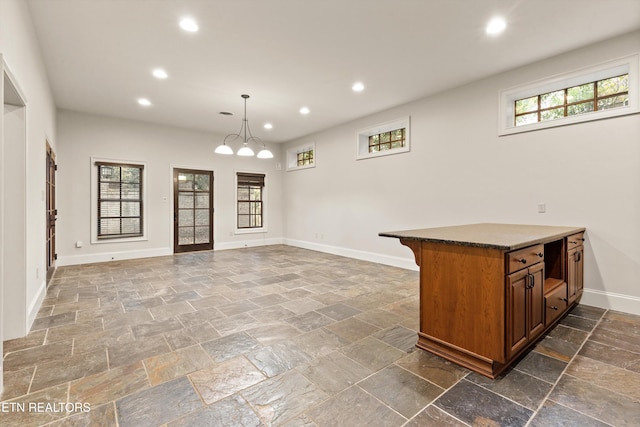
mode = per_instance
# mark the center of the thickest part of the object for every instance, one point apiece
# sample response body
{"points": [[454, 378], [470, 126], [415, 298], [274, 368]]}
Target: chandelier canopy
{"points": [[245, 150]]}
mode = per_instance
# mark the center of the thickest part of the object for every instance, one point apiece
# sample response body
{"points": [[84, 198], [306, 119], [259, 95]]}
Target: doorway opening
{"points": [[192, 210], [13, 149]]}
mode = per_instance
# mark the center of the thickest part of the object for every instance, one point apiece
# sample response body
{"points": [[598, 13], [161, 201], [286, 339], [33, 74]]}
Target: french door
{"points": [[192, 210], [51, 212]]}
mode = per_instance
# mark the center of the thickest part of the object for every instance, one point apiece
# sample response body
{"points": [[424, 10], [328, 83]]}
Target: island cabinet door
{"points": [[525, 307], [536, 303], [575, 268], [516, 311]]}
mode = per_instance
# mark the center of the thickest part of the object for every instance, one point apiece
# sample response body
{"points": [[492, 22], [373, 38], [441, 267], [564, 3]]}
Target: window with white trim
{"points": [[119, 200], [606, 90], [384, 139], [250, 200], [301, 157]]}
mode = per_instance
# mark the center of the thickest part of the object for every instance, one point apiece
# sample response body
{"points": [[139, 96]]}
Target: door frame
{"points": [[12, 95], [50, 210], [194, 247]]}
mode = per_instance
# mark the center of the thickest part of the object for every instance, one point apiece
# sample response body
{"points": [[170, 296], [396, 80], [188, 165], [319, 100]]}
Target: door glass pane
{"points": [[201, 182], [202, 201], [202, 216], [186, 236], [185, 200], [185, 181], [185, 217], [202, 235]]}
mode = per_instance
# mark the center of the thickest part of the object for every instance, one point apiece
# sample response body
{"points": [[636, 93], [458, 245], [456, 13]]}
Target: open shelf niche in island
{"points": [[490, 291]]}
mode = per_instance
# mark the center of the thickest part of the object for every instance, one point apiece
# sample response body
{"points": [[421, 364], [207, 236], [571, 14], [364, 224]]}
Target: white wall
{"points": [[83, 136], [22, 56], [459, 171]]}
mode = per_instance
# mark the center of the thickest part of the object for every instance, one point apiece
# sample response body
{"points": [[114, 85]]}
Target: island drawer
{"points": [[575, 240], [522, 258], [555, 303]]}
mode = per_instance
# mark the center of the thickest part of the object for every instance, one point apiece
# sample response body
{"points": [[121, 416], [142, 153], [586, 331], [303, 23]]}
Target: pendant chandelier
{"points": [[245, 150]]}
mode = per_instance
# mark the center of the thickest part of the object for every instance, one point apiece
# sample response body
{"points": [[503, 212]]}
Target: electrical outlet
{"points": [[542, 207]]}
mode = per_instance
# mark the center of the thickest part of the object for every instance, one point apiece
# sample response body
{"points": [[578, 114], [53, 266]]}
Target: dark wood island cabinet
{"points": [[489, 291]]}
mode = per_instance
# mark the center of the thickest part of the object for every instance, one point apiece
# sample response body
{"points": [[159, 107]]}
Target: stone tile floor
{"points": [[285, 336]]}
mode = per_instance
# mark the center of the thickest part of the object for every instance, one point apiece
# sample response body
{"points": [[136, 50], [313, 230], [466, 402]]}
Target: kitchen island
{"points": [[490, 291]]}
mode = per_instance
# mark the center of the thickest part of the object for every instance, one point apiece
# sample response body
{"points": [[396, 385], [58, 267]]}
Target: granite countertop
{"points": [[507, 237]]}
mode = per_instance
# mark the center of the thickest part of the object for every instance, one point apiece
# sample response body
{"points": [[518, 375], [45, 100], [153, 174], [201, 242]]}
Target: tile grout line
{"points": [[563, 373]]}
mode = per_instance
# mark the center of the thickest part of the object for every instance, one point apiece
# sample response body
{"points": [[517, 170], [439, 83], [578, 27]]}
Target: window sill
{"points": [[250, 230], [99, 241]]}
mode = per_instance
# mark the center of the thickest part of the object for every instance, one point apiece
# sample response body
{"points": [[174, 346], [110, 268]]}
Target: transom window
{"points": [[250, 200], [120, 207], [601, 91], [301, 157], [305, 158], [384, 139], [387, 140], [599, 95]]}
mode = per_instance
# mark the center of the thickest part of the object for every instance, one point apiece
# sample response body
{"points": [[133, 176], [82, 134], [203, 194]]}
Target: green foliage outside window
{"points": [[585, 98]]}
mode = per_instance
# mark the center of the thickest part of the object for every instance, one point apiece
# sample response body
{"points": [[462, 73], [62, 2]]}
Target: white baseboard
{"points": [[618, 302], [111, 256], [239, 244], [34, 307], [123, 255], [406, 263]]}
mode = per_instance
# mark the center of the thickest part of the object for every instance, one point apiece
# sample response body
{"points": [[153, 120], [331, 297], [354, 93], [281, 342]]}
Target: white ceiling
{"points": [[286, 54]]}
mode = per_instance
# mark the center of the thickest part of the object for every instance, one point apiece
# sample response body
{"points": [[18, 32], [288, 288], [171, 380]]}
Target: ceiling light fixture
{"points": [[159, 73], [245, 150], [304, 110], [496, 26], [189, 25], [144, 102], [357, 87], [268, 126]]}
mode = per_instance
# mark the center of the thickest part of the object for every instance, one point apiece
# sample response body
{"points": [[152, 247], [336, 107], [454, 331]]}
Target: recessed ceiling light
{"points": [[159, 73], [189, 25], [496, 26], [268, 126], [304, 110], [144, 102], [357, 87]]}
